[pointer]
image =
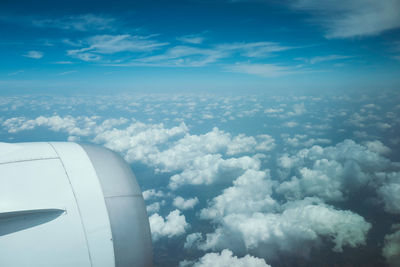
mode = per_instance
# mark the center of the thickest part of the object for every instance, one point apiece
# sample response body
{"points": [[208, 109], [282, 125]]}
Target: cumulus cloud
{"points": [[290, 124], [344, 19], [251, 192], [290, 210], [300, 140], [391, 249], [192, 240], [378, 147], [225, 259], [196, 159], [331, 172], [153, 207], [273, 110], [301, 225], [210, 168], [249, 219], [173, 225], [152, 193], [185, 204], [390, 191], [80, 126]]}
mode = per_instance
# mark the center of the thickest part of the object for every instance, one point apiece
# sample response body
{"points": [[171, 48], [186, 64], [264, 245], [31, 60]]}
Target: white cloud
{"points": [[185, 204], [111, 44], [80, 126], [192, 240], [344, 19], [84, 22], [210, 168], [63, 62], [250, 193], [181, 56], [173, 225], [297, 109], [331, 173], [196, 159], [191, 56], [15, 73], [301, 225], [34, 54], [378, 147], [152, 193], [67, 72], [139, 141], [225, 259], [301, 141], [153, 208], [391, 249], [290, 124], [265, 70], [390, 192], [319, 59], [191, 39], [248, 219], [254, 49], [273, 110]]}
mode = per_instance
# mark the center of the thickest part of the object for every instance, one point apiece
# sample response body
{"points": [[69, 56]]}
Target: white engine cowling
{"points": [[66, 204]]}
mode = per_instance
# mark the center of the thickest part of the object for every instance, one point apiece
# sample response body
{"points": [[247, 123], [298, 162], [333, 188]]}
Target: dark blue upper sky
{"points": [[210, 45]]}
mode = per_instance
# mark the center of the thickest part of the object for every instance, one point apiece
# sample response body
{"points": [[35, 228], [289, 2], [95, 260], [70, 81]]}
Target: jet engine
{"points": [[68, 204]]}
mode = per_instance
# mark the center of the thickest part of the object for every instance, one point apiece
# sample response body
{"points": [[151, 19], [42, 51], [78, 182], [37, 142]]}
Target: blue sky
{"points": [[199, 45]]}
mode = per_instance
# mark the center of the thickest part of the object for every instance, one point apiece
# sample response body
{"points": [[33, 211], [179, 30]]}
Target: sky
{"points": [[262, 133], [165, 46]]}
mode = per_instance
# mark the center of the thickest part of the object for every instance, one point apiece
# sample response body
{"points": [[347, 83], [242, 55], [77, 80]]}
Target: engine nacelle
{"points": [[67, 204]]}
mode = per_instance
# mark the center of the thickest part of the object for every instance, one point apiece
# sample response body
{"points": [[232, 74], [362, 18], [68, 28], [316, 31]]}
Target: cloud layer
{"points": [[225, 259], [234, 194]]}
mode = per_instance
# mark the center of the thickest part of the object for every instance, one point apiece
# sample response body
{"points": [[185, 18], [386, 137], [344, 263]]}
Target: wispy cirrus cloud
{"points": [[319, 59], [264, 70], [85, 22], [181, 56], [357, 18], [15, 73], [34, 54], [254, 49], [63, 62], [190, 56], [191, 39], [110, 44], [67, 72]]}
